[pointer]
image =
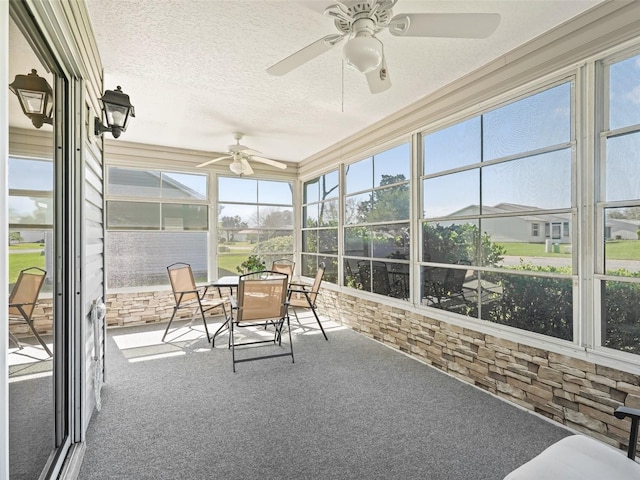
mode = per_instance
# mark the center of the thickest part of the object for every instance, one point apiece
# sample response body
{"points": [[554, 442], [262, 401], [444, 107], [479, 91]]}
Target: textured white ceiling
{"points": [[195, 69]]}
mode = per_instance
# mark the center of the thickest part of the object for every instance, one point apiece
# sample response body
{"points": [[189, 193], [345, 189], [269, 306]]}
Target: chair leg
{"points": [[232, 345], [15, 340], [318, 320], [224, 324], [204, 321], [175, 309], [295, 312], [290, 341], [33, 330]]}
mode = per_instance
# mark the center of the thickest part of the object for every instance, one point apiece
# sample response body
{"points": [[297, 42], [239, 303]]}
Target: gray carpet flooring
{"points": [[349, 408]]}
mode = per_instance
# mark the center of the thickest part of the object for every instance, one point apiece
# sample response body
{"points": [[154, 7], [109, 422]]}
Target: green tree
{"points": [[534, 303], [230, 224], [459, 242], [328, 211], [276, 218], [386, 204], [14, 237], [631, 213]]}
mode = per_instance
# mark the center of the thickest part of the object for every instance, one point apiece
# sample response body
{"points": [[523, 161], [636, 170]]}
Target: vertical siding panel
{"points": [[78, 22]]}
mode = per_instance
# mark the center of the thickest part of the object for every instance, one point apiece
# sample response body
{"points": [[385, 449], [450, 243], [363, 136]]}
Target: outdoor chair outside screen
{"points": [[23, 299]]}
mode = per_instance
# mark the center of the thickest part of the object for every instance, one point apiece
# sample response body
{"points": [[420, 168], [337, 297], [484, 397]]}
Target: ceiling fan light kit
{"points": [[360, 20], [363, 51]]}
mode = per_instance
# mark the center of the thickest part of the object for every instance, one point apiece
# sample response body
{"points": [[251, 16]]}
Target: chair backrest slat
{"points": [[284, 265], [261, 296], [317, 281], [26, 290], [181, 278]]}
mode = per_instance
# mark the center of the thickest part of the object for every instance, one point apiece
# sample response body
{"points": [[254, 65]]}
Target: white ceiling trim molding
{"points": [[153, 157], [596, 30]]}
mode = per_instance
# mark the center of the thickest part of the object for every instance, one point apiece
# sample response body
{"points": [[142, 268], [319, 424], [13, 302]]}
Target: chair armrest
{"points": [[21, 304], [204, 292], [233, 303], [623, 412], [186, 291], [303, 285], [296, 290]]}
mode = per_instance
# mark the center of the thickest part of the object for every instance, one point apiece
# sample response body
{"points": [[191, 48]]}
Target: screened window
{"points": [[376, 223], [31, 213], [30, 192], [154, 200], [484, 203], [320, 217], [255, 217], [620, 208], [154, 218]]}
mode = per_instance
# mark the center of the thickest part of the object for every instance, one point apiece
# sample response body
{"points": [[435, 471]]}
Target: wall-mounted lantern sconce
{"points": [[35, 96], [117, 110]]}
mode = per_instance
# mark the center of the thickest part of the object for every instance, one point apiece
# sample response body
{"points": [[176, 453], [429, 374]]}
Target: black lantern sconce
{"points": [[35, 96], [117, 110]]}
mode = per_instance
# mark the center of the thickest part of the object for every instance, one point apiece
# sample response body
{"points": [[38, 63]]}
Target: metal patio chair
{"points": [[303, 296], [284, 265], [23, 299], [188, 295], [261, 299]]}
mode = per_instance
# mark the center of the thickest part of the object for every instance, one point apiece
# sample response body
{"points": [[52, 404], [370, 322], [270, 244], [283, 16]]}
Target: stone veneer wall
{"points": [[123, 309], [138, 308], [573, 392], [42, 315]]}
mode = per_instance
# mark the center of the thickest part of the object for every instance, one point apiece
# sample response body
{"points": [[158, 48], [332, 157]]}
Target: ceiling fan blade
{"points": [[338, 11], [209, 162], [378, 79], [451, 25], [246, 168], [268, 161], [304, 55], [251, 151]]}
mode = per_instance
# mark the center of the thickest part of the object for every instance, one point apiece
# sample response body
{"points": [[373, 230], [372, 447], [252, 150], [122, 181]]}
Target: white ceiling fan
{"points": [[241, 156], [360, 20]]}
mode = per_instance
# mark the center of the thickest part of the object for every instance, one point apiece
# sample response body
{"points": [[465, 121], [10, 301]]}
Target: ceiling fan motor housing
{"points": [[362, 9]]}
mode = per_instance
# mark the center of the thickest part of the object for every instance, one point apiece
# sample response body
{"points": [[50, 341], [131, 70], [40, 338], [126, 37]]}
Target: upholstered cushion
{"points": [[578, 457]]}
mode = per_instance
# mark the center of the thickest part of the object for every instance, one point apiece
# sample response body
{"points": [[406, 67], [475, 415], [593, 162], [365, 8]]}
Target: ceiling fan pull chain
{"points": [[342, 89]]}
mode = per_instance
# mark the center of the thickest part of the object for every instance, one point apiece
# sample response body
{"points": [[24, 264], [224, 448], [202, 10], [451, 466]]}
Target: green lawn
{"points": [[26, 246], [622, 249], [518, 249], [20, 261], [614, 250], [229, 261], [239, 251]]}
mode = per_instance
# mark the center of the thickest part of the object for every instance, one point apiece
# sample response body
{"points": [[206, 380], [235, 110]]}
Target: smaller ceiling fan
{"points": [[359, 21], [241, 156]]}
